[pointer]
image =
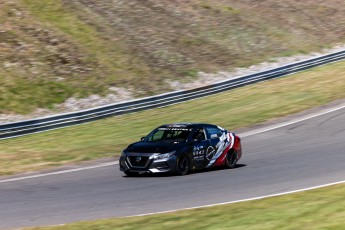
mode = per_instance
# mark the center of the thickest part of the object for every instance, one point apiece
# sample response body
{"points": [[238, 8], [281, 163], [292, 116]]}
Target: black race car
{"points": [[181, 147]]}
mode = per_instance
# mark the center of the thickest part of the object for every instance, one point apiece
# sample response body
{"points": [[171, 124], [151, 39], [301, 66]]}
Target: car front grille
{"points": [[138, 161]]}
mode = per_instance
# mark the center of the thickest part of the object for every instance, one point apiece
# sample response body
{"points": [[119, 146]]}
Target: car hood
{"points": [[153, 147]]}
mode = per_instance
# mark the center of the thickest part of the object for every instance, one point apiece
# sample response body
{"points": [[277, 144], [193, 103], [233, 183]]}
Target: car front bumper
{"points": [[150, 166]]}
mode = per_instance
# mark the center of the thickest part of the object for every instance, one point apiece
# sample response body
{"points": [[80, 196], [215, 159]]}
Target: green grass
{"points": [[24, 96], [237, 108], [317, 209]]}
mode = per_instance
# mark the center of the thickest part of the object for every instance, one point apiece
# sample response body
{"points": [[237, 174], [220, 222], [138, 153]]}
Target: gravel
{"points": [[209, 78]]}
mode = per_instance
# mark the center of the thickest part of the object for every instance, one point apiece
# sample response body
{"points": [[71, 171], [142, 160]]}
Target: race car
{"points": [[181, 147]]}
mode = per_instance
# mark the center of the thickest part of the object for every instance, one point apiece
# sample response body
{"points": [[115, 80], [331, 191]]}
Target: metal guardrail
{"points": [[16, 129]]}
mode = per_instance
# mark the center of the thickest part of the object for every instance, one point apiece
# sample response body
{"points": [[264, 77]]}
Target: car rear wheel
{"points": [[231, 159], [128, 173], [182, 166]]}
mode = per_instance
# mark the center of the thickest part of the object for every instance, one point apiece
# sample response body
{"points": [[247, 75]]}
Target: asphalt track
{"points": [[300, 155]]}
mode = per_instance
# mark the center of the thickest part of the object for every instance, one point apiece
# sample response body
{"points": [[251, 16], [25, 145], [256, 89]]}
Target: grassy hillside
{"points": [[51, 50]]}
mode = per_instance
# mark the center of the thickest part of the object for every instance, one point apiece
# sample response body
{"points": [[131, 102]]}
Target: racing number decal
{"points": [[198, 152]]}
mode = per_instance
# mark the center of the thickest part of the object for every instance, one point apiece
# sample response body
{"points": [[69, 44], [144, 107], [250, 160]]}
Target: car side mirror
{"points": [[142, 139]]}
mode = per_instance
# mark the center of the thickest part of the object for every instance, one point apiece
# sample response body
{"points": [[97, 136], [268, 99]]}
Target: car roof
{"points": [[186, 125]]}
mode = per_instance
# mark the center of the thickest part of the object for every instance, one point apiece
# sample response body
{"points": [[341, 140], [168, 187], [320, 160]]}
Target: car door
{"points": [[200, 145], [214, 135]]}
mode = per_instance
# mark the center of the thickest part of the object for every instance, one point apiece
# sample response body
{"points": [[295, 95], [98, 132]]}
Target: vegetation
{"points": [[237, 108], [51, 50], [316, 209]]}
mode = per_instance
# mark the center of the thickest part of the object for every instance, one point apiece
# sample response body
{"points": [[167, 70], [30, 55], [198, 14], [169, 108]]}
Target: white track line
{"points": [[269, 128], [59, 172], [243, 200], [246, 134]]}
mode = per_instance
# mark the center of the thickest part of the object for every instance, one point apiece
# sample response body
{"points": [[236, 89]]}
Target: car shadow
{"points": [[220, 168]]}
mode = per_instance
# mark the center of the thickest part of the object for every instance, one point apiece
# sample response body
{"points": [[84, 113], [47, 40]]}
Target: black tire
{"points": [[130, 174], [182, 165], [231, 159]]}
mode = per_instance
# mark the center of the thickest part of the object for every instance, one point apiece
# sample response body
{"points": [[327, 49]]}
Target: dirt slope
{"points": [[51, 50]]}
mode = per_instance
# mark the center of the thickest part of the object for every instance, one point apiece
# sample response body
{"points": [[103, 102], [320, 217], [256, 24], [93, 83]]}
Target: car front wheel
{"points": [[182, 165]]}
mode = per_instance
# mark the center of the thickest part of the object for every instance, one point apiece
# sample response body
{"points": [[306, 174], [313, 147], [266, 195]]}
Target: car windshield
{"points": [[168, 135]]}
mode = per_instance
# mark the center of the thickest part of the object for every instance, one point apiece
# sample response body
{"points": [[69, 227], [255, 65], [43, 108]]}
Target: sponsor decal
{"points": [[175, 129], [210, 153], [177, 126], [214, 136], [198, 152], [225, 143]]}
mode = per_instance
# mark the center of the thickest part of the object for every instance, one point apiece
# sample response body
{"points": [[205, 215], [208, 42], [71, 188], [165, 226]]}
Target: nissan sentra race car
{"points": [[181, 147]]}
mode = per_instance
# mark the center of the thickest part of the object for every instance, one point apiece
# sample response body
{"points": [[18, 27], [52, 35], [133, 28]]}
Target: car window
{"points": [[199, 134], [176, 134], [213, 132], [169, 134], [157, 135]]}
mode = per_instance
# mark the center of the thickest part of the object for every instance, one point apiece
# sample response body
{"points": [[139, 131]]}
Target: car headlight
{"points": [[123, 154], [158, 156]]}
